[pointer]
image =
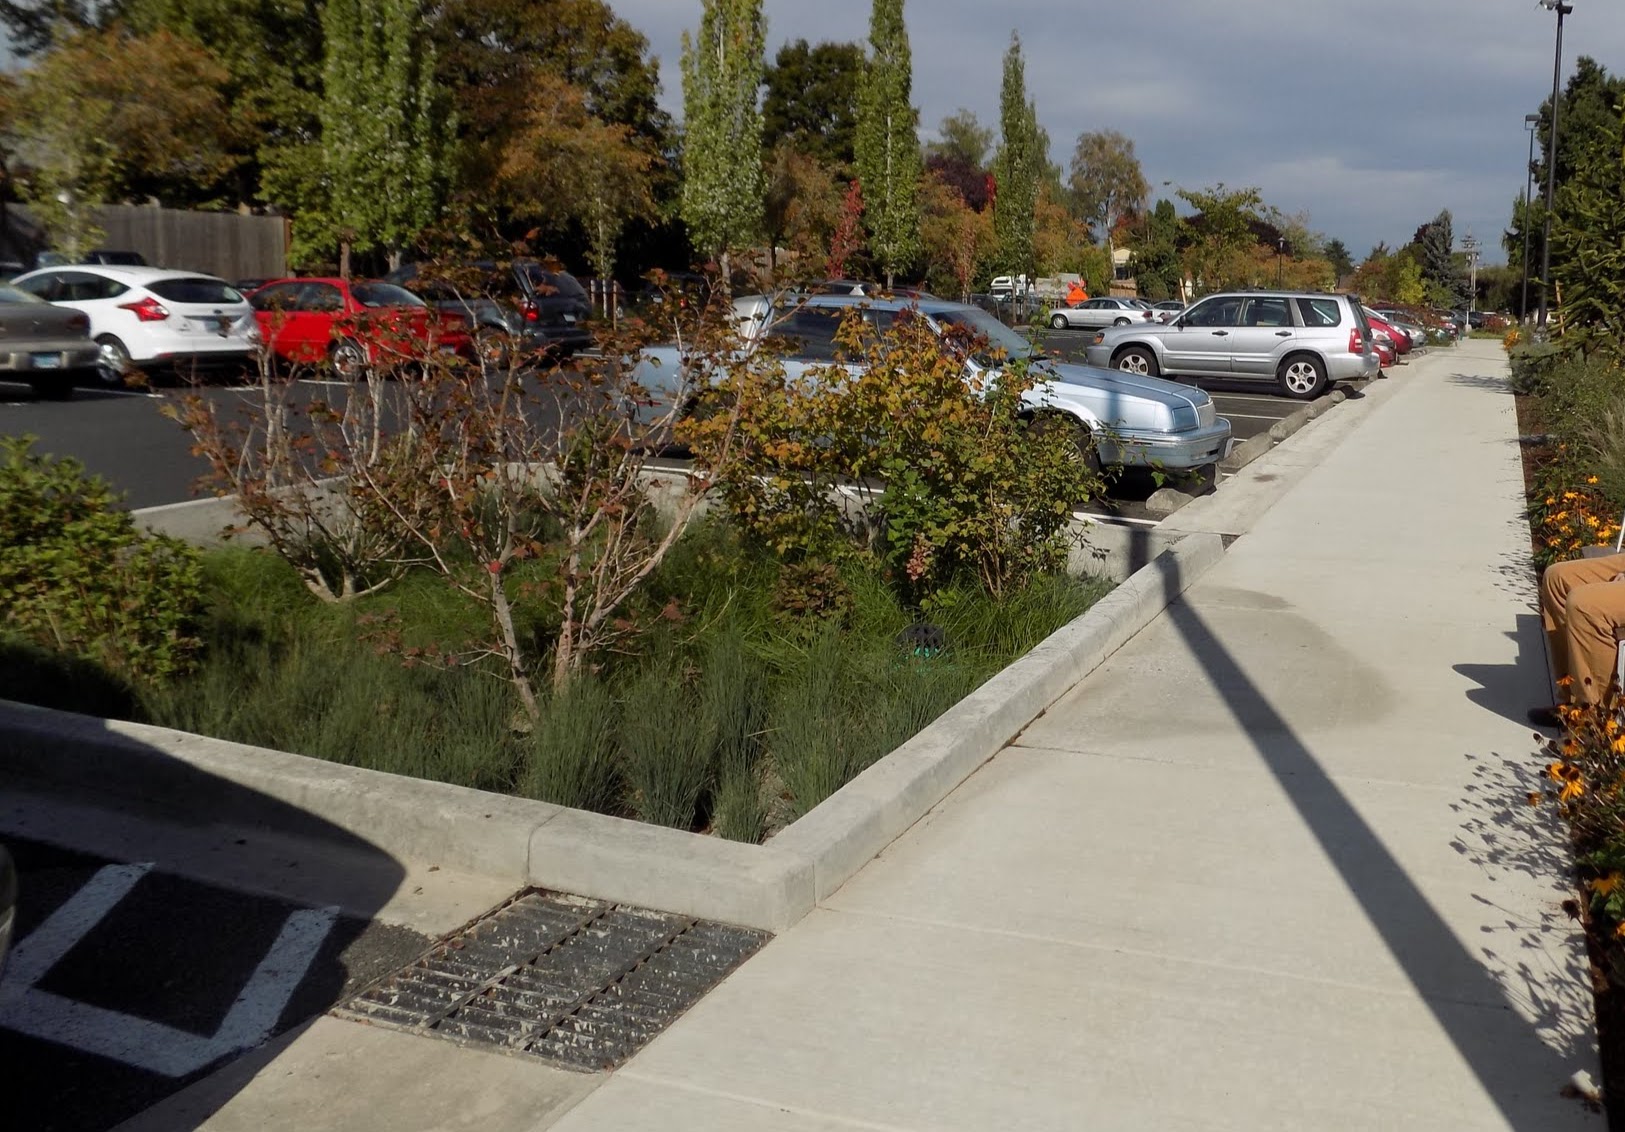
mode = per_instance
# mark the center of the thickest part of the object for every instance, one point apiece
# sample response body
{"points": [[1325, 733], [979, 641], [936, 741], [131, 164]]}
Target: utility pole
{"points": [[1531, 123], [1562, 10], [1469, 244]]}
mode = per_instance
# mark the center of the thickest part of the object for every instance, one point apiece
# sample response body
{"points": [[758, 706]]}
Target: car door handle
{"points": [[1283, 333], [1221, 333]]}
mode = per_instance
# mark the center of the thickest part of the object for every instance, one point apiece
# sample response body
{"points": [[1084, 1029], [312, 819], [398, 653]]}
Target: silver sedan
{"points": [[1092, 314]]}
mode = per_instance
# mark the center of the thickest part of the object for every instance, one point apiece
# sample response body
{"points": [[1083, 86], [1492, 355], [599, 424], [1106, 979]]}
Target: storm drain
{"points": [[583, 983]]}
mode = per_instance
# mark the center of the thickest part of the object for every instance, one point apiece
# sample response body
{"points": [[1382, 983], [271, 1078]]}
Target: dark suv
{"points": [[523, 304]]}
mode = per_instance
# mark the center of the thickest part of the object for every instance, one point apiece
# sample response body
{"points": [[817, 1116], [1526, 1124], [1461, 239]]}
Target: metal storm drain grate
{"points": [[580, 982]]}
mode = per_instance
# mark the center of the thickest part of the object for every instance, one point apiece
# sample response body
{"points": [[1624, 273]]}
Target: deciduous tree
{"points": [[956, 238], [803, 206], [888, 144], [1107, 181], [722, 154], [811, 100], [1219, 252], [1017, 168], [386, 138], [103, 111]]}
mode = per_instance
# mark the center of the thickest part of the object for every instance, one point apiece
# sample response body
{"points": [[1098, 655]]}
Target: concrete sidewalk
{"points": [[1269, 867]]}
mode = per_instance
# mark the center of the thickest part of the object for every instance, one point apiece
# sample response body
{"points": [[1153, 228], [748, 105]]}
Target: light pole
{"points": [[1280, 262], [1562, 10], [1531, 123]]}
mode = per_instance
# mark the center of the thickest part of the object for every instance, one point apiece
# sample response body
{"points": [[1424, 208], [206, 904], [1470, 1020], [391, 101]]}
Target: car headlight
{"points": [[1186, 417], [1100, 337]]}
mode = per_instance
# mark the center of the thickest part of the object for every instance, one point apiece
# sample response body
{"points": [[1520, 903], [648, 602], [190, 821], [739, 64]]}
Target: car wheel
{"points": [[1075, 430], [1137, 360], [349, 360], [494, 349], [112, 363], [1302, 377], [1120, 322], [1058, 321]]}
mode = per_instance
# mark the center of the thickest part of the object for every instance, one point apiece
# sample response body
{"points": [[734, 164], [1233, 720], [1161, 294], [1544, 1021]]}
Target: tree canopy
{"points": [[1106, 181], [888, 143], [811, 100]]}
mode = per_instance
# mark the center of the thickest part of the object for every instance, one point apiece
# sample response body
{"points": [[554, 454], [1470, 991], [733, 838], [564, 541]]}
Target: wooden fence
{"points": [[228, 244]]}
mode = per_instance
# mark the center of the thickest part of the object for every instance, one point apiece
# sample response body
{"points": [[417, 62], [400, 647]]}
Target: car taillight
{"points": [[1356, 343], [527, 307], [148, 309], [79, 322]]}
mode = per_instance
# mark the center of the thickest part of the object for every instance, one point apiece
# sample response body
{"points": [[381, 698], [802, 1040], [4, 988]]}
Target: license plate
{"points": [[46, 361], [570, 318]]}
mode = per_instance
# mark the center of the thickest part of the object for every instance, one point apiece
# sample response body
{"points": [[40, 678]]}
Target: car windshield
{"points": [[10, 294], [384, 295], [1001, 340]]}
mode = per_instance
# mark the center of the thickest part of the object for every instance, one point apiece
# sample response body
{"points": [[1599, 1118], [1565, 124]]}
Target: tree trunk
{"points": [[344, 260], [727, 274], [510, 644]]}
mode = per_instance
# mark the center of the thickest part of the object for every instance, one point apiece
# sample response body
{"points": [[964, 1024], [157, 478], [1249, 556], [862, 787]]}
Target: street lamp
{"points": [[1531, 123], [1562, 10], [1280, 262]]}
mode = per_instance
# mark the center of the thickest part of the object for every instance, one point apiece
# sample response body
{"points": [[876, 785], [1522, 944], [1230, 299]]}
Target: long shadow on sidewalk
{"points": [[1519, 1071]]}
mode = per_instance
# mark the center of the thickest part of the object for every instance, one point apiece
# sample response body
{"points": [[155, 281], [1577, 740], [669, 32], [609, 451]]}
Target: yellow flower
{"points": [[1591, 479], [1611, 883], [1619, 931], [1593, 522], [1619, 745], [1570, 495], [1570, 791], [1534, 797]]}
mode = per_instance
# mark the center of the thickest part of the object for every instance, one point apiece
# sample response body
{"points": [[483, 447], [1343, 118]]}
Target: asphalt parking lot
{"points": [[128, 982], [122, 436]]}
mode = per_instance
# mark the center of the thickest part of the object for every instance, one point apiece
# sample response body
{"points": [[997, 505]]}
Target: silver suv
{"points": [[1303, 341]]}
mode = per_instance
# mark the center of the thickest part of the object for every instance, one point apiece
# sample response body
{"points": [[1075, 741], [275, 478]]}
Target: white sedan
{"points": [[153, 317]]}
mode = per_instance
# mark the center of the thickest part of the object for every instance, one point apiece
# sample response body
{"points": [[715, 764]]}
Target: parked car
{"points": [[1303, 341], [1167, 310], [353, 324], [1134, 419], [153, 318], [482, 296], [1093, 313], [1397, 338], [48, 347], [1399, 320], [552, 305]]}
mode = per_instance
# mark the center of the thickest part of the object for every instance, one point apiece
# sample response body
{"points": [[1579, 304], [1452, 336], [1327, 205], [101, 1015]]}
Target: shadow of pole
{"points": [[1517, 1070]]}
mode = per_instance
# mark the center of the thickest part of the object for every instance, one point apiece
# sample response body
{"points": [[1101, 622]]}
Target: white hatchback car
{"points": [[153, 317]]}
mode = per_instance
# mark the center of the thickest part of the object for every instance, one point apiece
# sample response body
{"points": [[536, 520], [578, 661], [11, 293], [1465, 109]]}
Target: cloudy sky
{"points": [[1371, 115]]}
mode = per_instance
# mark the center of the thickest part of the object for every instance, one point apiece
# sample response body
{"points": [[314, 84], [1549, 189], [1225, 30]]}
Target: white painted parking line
{"points": [[140, 1042], [1253, 416]]}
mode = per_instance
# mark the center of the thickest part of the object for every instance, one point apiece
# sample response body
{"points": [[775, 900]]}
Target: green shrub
{"points": [[1533, 364], [77, 577]]}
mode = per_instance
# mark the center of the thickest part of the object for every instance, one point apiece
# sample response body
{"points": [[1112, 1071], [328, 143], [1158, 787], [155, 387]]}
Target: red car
{"points": [[1396, 338], [353, 324]]}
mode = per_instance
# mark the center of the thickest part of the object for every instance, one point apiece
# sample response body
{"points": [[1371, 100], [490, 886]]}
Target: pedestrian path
{"points": [[1268, 868]]}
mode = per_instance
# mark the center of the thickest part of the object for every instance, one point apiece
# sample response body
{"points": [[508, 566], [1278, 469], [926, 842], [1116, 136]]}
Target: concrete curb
{"points": [[1255, 446], [195, 780]]}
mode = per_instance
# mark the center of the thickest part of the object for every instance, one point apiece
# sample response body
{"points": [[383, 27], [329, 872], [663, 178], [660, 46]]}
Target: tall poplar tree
{"points": [[386, 150], [1017, 168], [888, 144], [723, 183]]}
